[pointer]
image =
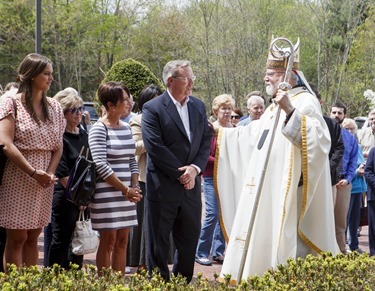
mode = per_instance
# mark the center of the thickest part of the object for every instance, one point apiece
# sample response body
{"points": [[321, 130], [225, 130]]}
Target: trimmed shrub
{"points": [[134, 75], [350, 272]]}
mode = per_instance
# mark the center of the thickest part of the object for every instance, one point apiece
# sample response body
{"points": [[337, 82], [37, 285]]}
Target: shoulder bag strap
{"points": [[81, 151], [81, 216], [106, 129]]}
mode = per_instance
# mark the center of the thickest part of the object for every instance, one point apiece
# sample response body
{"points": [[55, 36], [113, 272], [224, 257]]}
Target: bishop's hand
{"points": [[283, 100]]}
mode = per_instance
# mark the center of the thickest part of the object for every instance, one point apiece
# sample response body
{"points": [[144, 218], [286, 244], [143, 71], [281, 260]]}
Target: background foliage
{"points": [[226, 41]]}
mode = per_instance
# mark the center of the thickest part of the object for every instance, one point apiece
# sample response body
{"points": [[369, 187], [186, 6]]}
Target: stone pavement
{"points": [[207, 271]]}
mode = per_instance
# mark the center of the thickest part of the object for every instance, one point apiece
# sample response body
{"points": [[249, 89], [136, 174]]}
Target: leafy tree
{"points": [[16, 36], [84, 45], [226, 41], [337, 27], [360, 72], [162, 35]]}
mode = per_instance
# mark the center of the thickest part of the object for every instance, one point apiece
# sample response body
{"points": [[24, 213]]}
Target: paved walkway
{"points": [[207, 271]]}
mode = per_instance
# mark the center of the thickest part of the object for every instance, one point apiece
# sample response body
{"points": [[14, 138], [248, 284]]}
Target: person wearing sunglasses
{"points": [[85, 123], [64, 212], [236, 116]]}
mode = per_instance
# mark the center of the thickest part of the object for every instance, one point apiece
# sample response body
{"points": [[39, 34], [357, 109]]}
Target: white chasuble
{"points": [[295, 214]]}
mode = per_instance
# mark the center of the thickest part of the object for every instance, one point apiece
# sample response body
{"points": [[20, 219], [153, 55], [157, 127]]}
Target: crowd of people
{"points": [[288, 188]]}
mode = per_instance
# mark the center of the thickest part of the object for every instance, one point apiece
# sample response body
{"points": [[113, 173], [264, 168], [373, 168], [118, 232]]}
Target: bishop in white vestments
{"points": [[295, 214]]}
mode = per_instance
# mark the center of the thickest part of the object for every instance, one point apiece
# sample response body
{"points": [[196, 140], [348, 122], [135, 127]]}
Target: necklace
{"points": [[75, 130]]}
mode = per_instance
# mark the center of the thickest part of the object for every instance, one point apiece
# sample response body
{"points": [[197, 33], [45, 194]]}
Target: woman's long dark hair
{"points": [[149, 92], [31, 66]]}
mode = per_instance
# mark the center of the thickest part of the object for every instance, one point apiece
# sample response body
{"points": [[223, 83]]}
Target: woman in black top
{"points": [[64, 212]]}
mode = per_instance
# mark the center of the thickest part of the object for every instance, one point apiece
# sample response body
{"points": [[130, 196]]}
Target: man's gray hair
{"points": [[371, 112], [172, 67], [254, 98]]}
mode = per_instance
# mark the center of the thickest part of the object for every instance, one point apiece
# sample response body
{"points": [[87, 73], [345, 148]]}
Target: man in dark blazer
{"points": [[370, 180], [337, 147], [177, 138], [336, 151]]}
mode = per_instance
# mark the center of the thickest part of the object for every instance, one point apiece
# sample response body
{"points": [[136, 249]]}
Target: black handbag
{"points": [[82, 181], [3, 157]]}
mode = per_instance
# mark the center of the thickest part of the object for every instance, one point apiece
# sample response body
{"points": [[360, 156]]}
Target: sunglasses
{"points": [[76, 110], [235, 117]]}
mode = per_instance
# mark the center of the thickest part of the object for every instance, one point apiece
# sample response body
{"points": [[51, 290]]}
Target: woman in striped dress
{"points": [[113, 211]]}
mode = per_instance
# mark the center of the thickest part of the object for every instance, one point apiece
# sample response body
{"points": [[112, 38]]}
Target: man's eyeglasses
{"points": [[271, 74], [186, 79], [235, 117], [76, 110]]}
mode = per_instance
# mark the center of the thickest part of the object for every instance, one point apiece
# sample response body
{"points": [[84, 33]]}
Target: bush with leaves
{"points": [[350, 272], [133, 74]]}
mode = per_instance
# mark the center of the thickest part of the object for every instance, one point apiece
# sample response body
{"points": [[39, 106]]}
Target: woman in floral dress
{"points": [[31, 127]]}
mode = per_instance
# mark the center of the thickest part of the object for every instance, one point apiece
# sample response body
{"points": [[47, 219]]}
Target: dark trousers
{"points": [[47, 242], [137, 245], [353, 217], [183, 219], [136, 252], [64, 217], [371, 226]]}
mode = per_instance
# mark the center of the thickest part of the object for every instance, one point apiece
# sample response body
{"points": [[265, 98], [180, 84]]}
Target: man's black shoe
{"points": [[219, 259]]}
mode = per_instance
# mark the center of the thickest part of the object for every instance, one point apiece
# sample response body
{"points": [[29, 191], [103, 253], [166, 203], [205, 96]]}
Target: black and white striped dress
{"points": [[113, 150]]}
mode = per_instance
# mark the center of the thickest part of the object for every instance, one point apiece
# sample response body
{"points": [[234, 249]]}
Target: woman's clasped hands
{"points": [[45, 179], [133, 194]]}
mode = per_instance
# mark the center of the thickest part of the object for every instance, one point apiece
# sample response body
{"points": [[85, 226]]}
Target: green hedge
{"points": [[134, 75], [350, 272]]}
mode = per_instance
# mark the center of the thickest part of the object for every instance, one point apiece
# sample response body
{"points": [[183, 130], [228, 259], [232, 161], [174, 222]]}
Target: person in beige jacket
{"points": [[137, 246]]}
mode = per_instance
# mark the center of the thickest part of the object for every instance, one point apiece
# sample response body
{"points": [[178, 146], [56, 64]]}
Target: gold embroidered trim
{"points": [[280, 64], [216, 166], [305, 185]]}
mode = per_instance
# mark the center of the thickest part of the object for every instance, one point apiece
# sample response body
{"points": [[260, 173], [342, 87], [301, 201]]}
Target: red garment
{"points": [[209, 170]]}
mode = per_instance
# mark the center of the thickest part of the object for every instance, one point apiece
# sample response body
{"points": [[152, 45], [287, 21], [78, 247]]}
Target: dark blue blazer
{"points": [[337, 148], [169, 148], [370, 175]]}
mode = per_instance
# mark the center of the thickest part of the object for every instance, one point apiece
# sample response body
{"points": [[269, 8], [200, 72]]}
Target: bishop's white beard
{"points": [[270, 90]]}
